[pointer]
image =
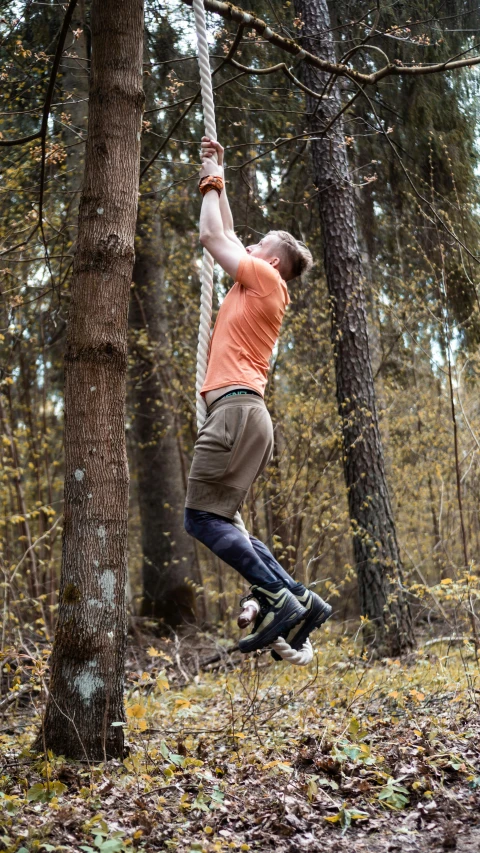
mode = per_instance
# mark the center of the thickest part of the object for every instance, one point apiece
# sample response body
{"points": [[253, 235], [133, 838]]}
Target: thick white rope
{"points": [[206, 276], [298, 657]]}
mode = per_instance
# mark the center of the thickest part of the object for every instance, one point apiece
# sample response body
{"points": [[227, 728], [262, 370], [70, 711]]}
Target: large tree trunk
{"points": [[382, 596], [168, 551], [86, 687]]}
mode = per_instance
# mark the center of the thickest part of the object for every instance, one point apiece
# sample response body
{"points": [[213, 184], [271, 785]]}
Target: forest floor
{"points": [[248, 754]]}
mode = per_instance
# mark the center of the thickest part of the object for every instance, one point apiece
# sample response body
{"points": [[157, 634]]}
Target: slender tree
{"points": [[86, 687], [382, 597], [167, 550], [158, 429]]}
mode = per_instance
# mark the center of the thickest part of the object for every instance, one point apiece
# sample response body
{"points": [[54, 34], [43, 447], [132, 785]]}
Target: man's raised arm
{"points": [[226, 251], [209, 148]]}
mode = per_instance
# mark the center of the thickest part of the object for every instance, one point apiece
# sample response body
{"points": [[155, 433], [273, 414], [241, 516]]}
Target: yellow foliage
{"points": [[136, 711]]}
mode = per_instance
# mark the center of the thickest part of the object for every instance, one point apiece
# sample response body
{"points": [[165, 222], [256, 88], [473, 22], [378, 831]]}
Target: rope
{"points": [[206, 275], [206, 279], [298, 657]]}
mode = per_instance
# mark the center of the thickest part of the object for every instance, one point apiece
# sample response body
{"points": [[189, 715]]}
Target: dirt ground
{"points": [[238, 754]]}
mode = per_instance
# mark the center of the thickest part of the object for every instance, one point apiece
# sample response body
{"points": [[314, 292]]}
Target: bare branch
{"points": [[307, 134], [271, 69], [233, 13]]}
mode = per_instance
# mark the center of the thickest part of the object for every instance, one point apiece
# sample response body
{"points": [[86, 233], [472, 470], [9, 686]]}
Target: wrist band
{"points": [[210, 182]]}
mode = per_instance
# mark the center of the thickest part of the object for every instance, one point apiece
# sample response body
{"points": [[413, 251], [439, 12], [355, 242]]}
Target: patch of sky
{"points": [[275, 177], [262, 183], [55, 404], [41, 371]]}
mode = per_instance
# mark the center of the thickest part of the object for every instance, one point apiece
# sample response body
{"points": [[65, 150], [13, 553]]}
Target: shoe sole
{"points": [[310, 625], [273, 632]]}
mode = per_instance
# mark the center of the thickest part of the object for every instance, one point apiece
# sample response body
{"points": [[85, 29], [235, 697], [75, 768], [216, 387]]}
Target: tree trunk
{"points": [[86, 688], [168, 551], [382, 596]]}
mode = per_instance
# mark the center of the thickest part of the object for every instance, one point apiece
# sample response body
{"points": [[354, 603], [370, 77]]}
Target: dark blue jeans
{"points": [[250, 557]]}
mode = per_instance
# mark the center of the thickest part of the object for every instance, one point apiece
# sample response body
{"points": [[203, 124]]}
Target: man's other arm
{"points": [[227, 218]]}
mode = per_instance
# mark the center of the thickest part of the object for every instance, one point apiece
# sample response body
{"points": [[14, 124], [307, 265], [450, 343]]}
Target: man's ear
{"points": [[275, 262]]}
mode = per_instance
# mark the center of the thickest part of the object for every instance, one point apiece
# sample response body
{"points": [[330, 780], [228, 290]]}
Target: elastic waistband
{"points": [[239, 392], [238, 400]]}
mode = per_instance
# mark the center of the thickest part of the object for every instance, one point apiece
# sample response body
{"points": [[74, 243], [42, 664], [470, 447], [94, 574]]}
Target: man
{"points": [[236, 441]]}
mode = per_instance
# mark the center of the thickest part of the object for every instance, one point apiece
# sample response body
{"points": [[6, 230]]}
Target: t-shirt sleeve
{"points": [[257, 275]]}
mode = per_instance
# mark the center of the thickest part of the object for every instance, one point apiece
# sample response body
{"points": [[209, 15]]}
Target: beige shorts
{"points": [[232, 448]]}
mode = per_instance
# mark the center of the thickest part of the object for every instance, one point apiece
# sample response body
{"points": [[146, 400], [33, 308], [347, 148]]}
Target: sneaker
{"points": [[318, 611], [279, 612]]}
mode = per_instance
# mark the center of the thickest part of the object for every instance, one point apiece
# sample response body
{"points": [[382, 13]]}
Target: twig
{"points": [[15, 695], [444, 640]]}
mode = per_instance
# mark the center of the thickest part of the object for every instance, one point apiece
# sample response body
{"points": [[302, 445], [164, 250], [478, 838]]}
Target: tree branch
{"points": [[233, 13]]}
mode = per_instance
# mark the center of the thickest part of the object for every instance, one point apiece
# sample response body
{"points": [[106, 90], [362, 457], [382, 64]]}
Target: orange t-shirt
{"points": [[247, 327]]}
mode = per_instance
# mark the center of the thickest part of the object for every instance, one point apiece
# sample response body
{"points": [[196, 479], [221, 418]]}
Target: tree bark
{"points": [[168, 552], [382, 596], [86, 687]]}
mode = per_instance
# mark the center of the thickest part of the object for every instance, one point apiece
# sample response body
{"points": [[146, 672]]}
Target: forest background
{"points": [[411, 144]]}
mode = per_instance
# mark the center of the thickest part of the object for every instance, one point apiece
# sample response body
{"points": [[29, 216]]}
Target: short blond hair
{"points": [[295, 258]]}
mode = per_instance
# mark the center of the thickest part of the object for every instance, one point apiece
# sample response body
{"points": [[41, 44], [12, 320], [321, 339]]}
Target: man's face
{"points": [[267, 249]]}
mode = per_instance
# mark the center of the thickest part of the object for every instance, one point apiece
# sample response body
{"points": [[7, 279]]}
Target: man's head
{"points": [[289, 256]]}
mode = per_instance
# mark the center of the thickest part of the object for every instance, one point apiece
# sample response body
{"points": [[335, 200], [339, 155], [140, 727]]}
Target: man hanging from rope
{"points": [[236, 441]]}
